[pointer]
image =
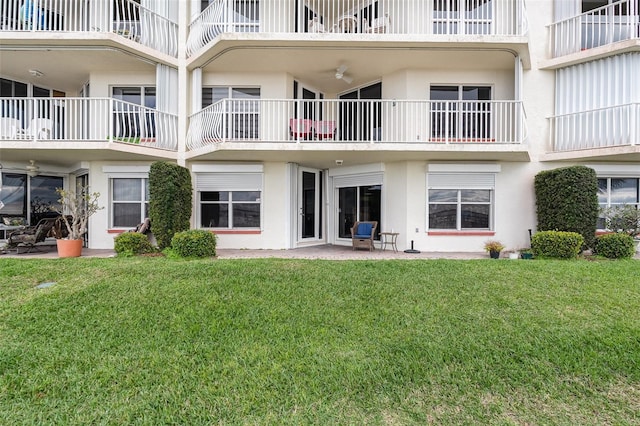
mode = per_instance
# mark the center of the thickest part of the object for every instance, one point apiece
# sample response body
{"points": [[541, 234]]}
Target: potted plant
{"points": [[494, 248], [75, 209], [513, 254], [526, 253]]}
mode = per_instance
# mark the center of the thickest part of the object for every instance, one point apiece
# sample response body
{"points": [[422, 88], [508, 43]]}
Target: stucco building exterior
{"points": [[298, 117]]}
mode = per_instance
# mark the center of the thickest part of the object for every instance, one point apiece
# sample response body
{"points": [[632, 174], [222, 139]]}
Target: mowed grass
{"points": [[267, 341]]}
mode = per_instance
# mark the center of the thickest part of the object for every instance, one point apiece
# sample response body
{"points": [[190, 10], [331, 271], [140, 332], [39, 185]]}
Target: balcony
{"points": [[335, 19], [610, 127], [378, 122], [125, 18], [599, 27], [48, 120]]}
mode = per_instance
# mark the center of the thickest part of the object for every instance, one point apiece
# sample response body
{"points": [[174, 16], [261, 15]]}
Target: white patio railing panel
{"points": [[605, 25], [357, 121], [420, 17], [86, 119], [125, 17], [597, 128]]}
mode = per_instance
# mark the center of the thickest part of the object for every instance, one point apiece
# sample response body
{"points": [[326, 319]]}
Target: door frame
{"points": [[319, 232]]}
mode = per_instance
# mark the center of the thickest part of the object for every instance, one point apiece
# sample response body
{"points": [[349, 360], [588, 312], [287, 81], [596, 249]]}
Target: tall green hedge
{"points": [[170, 201], [567, 200]]}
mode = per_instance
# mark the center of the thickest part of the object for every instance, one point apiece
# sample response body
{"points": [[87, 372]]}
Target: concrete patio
{"points": [[330, 252]]}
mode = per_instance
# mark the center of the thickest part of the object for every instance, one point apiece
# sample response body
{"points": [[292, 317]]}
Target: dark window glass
{"points": [[246, 215], [443, 216], [13, 195], [43, 197]]}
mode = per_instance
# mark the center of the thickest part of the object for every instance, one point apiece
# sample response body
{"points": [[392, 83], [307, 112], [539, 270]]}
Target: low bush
{"points": [[615, 246], [132, 244], [557, 244], [194, 243]]}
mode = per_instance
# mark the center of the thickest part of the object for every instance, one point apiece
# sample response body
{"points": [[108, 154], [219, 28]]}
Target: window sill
{"points": [[116, 231], [236, 231], [462, 233]]}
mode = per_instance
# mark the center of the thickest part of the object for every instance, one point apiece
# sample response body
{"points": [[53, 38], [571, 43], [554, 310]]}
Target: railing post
{"points": [[634, 124], [110, 119]]}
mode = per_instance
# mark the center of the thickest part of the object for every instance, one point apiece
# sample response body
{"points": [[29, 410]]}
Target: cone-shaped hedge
{"points": [[170, 201], [567, 200]]}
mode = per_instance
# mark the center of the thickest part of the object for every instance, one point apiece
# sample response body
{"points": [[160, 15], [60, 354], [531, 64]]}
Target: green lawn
{"points": [[161, 341]]}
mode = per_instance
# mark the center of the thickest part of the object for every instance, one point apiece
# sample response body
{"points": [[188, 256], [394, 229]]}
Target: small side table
{"points": [[389, 238]]}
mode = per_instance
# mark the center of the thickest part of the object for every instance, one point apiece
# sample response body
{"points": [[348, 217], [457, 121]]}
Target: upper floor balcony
{"points": [[345, 124], [126, 18], [603, 26], [360, 19], [24, 121], [609, 127]]}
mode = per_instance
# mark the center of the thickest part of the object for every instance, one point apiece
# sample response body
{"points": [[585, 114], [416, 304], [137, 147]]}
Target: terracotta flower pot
{"points": [[69, 248]]}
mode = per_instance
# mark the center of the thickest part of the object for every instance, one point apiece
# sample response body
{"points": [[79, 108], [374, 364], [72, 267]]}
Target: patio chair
{"points": [[9, 128], [362, 234], [41, 127], [378, 25], [325, 130], [31, 235], [315, 26], [301, 128]]}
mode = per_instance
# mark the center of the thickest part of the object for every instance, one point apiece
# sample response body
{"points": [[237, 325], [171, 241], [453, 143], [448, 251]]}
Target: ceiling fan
{"points": [[340, 74]]}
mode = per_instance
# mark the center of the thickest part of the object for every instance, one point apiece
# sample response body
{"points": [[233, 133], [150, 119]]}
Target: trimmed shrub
{"points": [[132, 243], [194, 243], [567, 200], [615, 246], [557, 244], [170, 200]]}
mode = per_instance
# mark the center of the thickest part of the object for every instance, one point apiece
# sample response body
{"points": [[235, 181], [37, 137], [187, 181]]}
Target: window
{"points": [[358, 203], [243, 108], [614, 192], [460, 113], [43, 196], [460, 209], [230, 209], [362, 120], [134, 115], [129, 201], [460, 201], [13, 195]]}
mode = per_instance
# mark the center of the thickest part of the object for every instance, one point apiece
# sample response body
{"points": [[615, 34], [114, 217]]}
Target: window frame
{"points": [[459, 203], [607, 204], [229, 202], [144, 181]]}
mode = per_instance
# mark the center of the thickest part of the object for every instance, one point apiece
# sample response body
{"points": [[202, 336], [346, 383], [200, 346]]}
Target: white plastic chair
{"points": [[315, 26], [9, 128], [41, 128], [378, 25]]}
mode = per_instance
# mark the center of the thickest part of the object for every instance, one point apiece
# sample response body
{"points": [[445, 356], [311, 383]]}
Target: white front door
{"points": [[309, 205]]}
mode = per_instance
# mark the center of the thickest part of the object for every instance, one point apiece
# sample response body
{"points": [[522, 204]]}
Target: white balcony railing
{"points": [[608, 24], [358, 121], [124, 17], [86, 119], [333, 17], [597, 128]]}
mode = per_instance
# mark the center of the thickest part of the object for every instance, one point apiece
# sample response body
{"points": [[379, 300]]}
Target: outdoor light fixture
{"points": [[32, 169]]}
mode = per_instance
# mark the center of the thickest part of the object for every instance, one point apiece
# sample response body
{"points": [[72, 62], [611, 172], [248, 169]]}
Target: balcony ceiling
{"points": [[315, 64], [325, 156], [69, 154], [67, 62]]}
